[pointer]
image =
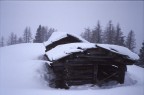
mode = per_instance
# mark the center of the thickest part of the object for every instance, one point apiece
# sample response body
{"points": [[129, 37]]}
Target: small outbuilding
{"points": [[74, 61]]}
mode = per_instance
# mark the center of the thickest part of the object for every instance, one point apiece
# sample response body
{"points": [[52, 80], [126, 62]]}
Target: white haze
{"points": [[71, 16]]}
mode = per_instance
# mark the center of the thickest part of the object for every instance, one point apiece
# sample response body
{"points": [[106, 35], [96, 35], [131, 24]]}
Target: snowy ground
{"points": [[21, 71]]}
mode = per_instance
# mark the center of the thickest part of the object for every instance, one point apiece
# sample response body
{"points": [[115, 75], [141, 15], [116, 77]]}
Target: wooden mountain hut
{"points": [[88, 63]]}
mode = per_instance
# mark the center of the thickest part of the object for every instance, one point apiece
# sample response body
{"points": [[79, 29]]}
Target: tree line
{"points": [[42, 34], [110, 35]]}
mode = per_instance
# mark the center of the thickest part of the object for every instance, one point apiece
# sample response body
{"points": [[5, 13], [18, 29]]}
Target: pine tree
{"points": [[87, 34], [130, 41], [41, 34], [12, 39], [97, 34], [20, 40], [44, 34], [141, 55], [15, 39], [27, 36], [109, 34], [2, 42], [119, 37], [38, 35]]}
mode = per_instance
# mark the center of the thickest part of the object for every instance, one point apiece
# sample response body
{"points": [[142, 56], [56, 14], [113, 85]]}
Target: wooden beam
{"points": [[95, 72]]}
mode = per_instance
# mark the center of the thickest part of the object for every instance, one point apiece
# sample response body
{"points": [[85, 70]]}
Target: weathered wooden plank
{"points": [[81, 77], [91, 62], [121, 71], [95, 56], [95, 72]]}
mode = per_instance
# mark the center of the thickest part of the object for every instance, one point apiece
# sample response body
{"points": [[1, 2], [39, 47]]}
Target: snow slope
{"points": [[21, 71]]}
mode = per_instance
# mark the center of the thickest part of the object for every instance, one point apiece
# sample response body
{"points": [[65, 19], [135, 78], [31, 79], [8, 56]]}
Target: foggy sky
{"points": [[71, 16]]}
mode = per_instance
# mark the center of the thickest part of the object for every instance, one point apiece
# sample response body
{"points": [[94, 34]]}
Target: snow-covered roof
{"points": [[120, 50], [60, 35], [64, 50], [61, 51]]}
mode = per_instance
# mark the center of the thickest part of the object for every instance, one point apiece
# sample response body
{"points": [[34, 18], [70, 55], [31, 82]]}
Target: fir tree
{"points": [[2, 42], [27, 36], [141, 55], [119, 37], [15, 39], [130, 41], [109, 34], [87, 34], [20, 40], [38, 35], [43, 33], [12, 39], [96, 36]]}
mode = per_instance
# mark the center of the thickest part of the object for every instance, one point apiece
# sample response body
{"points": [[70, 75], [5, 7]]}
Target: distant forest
{"points": [[42, 34], [111, 34]]}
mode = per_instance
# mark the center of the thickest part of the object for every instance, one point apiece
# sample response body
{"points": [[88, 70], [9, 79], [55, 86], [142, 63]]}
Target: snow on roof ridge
{"points": [[64, 50], [120, 50], [59, 35]]}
